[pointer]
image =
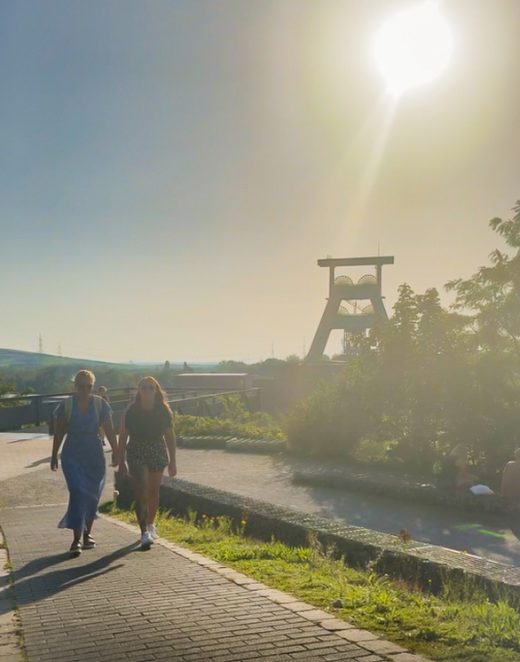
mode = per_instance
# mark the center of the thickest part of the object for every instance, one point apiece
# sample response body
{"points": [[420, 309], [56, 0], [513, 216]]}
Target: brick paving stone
{"points": [[344, 655], [384, 647], [315, 615], [356, 635], [117, 603], [276, 596], [298, 606]]}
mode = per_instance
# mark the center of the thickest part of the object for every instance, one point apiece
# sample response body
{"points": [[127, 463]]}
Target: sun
{"points": [[413, 47]]}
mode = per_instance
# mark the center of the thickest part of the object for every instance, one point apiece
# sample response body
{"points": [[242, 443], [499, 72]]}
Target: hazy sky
{"points": [[171, 171]]}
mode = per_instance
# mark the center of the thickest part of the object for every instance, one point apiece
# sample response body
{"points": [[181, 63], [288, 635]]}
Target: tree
{"points": [[491, 297], [492, 294], [5, 387]]}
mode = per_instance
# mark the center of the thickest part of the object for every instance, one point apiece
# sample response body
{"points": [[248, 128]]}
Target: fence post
{"points": [[37, 402]]}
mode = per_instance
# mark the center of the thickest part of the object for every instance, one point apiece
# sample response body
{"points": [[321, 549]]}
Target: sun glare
{"points": [[413, 47]]}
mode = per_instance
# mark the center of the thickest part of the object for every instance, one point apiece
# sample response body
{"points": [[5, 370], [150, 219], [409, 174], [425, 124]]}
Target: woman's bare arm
{"points": [[59, 433], [108, 429], [169, 437], [123, 438]]}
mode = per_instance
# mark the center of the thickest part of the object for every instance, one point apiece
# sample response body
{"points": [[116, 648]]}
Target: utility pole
{"points": [[40, 344]]}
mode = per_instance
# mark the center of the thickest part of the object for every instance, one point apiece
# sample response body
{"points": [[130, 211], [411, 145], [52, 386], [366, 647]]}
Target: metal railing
{"points": [[17, 411]]}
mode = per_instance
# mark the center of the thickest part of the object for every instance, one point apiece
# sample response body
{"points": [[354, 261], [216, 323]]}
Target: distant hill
{"points": [[15, 358]]}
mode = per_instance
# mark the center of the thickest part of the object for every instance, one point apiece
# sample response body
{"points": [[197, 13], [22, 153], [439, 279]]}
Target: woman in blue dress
{"points": [[82, 458]]}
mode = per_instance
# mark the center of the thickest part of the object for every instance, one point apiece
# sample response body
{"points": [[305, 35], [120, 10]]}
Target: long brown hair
{"points": [[160, 401]]}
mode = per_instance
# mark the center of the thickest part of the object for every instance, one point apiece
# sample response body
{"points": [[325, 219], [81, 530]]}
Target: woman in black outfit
{"points": [[148, 425]]}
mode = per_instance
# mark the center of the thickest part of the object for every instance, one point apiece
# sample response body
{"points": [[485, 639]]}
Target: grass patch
{"points": [[439, 627]]}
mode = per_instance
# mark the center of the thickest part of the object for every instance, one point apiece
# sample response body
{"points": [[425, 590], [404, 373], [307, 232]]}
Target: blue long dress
{"points": [[83, 463]]}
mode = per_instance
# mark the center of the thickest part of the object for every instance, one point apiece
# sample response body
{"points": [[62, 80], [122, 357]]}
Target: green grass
{"points": [[440, 627]]}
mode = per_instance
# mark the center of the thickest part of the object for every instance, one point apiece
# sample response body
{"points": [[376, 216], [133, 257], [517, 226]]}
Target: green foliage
{"points": [[205, 426], [430, 378], [234, 420], [5, 387], [330, 421], [492, 294]]}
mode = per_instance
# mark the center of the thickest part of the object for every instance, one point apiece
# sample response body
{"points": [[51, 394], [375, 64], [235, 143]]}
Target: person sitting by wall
{"points": [[510, 488], [455, 473]]}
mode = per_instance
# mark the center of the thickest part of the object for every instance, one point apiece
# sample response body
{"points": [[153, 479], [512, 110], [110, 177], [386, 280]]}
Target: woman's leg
{"points": [[95, 489], [140, 476], [74, 514], [74, 478], [154, 483]]}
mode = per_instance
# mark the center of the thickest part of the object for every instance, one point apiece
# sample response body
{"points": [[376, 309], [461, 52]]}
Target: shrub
{"points": [[234, 420], [329, 422]]}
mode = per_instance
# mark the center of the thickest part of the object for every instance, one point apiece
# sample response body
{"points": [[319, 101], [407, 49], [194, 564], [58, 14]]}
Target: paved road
{"points": [[23, 454], [116, 603], [269, 478]]}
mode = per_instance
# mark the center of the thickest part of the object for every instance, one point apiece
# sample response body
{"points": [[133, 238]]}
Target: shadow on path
{"points": [[37, 463], [29, 438], [31, 587]]}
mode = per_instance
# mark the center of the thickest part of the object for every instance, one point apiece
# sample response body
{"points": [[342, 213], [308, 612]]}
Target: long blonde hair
{"points": [[87, 374]]}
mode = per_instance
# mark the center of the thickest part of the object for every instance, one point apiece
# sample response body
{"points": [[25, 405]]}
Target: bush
{"points": [[329, 422], [190, 426], [234, 420]]}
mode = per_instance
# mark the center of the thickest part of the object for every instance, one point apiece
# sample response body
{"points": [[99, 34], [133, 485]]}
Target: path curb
{"points": [[11, 641]]}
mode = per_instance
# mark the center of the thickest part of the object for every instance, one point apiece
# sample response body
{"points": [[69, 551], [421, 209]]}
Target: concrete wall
{"points": [[420, 564]]}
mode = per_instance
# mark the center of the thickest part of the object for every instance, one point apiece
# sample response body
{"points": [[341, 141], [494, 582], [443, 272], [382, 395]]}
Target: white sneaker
{"points": [[146, 540], [153, 531]]}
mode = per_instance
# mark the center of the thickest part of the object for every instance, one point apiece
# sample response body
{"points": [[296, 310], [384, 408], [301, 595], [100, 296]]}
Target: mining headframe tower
{"points": [[343, 310]]}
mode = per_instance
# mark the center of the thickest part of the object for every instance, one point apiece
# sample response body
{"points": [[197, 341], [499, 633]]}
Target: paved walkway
{"points": [[118, 603]]}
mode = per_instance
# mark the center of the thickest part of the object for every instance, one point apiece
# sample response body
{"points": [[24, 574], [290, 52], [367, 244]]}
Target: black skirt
{"points": [[151, 453]]}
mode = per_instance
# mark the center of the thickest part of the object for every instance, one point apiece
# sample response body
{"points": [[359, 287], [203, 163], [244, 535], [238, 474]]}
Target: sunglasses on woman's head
{"points": [[147, 387], [84, 385]]}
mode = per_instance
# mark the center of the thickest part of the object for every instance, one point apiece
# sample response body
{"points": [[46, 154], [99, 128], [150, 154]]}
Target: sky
{"points": [[170, 172]]}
